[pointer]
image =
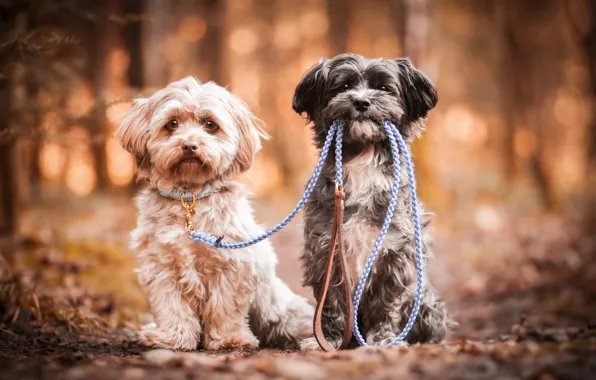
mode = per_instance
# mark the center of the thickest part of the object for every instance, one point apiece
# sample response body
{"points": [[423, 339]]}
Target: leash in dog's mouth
{"points": [[398, 147]]}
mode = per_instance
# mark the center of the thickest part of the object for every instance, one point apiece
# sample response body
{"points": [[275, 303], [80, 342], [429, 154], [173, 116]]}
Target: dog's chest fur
{"points": [[368, 178], [365, 180], [161, 238]]}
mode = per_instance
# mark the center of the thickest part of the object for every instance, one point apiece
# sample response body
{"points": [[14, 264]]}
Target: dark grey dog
{"points": [[364, 92]]}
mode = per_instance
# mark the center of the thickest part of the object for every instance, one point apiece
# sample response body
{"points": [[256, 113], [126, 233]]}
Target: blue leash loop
{"points": [[397, 145]]}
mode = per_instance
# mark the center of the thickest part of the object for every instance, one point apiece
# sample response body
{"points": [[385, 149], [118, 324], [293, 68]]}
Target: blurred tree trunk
{"points": [[268, 66], [155, 71], [417, 24], [589, 44], [521, 83], [214, 40], [8, 178], [509, 77], [96, 121], [133, 38], [338, 12], [591, 49], [34, 172], [533, 89], [268, 63], [133, 35], [400, 16], [414, 20], [103, 36], [12, 23], [32, 84]]}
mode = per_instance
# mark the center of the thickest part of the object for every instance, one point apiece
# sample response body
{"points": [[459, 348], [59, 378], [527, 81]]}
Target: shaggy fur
{"points": [[191, 135], [363, 92]]}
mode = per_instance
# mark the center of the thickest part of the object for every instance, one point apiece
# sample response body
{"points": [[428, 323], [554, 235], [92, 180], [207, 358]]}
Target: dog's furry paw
{"points": [[383, 341], [156, 337], [309, 344], [233, 343]]}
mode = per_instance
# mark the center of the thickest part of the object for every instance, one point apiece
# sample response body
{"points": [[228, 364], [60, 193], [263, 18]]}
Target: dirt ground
{"points": [[523, 298], [532, 354]]}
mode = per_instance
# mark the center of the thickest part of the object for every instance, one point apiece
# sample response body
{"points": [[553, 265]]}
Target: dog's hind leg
{"points": [[433, 321], [333, 317], [280, 318]]}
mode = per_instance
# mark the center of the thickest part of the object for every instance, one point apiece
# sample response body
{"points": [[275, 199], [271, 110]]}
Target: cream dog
{"points": [[195, 138]]}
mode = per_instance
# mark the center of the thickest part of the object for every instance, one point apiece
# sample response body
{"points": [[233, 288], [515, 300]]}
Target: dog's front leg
{"points": [[177, 327], [167, 274], [386, 301], [280, 318], [334, 313], [226, 313], [314, 260]]}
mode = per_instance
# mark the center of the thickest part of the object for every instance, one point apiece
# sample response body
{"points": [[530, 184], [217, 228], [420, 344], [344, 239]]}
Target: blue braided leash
{"points": [[217, 243], [395, 139], [397, 144]]}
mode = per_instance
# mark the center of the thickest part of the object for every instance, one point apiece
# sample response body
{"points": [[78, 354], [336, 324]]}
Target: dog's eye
{"points": [[384, 88], [211, 126], [346, 86], [172, 124]]}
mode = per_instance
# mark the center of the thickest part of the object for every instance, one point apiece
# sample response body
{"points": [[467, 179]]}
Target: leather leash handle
{"points": [[336, 240]]}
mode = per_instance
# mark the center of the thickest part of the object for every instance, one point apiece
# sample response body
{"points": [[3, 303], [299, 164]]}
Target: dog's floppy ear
{"points": [[419, 94], [308, 93], [133, 132], [250, 133]]}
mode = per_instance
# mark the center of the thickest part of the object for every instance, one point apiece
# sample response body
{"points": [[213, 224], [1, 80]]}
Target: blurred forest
{"points": [[516, 82], [506, 164]]}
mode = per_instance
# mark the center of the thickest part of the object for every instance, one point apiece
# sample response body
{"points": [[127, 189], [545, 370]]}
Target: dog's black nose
{"points": [[190, 146], [361, 104]]}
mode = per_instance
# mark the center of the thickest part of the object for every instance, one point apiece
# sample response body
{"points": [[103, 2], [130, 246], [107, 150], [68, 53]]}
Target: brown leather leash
{"points": [[336, 240]]}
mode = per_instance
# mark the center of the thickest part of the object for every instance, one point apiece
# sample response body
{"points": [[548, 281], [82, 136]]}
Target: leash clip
{"points": [[190, 210], [218, 241]]}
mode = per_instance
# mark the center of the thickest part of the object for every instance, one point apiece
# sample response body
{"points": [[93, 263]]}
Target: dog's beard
{"points": [[212, 163], [188, 166], [173, 166], [195, 169]]}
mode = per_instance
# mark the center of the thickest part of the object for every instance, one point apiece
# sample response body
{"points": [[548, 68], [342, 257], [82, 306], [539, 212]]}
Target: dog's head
{"points": [[363, 93], [190, 133]]}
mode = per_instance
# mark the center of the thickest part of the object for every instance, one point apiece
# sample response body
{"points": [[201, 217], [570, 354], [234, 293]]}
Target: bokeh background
{"points": [[506, 164]]}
